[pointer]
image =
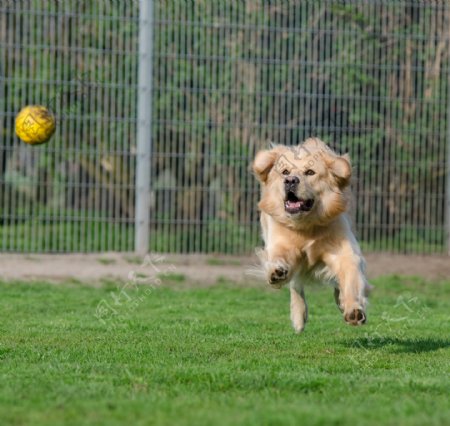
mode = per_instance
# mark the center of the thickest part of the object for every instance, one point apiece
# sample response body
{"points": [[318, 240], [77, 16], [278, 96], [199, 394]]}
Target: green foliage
{"points": [[214, 237], [370, 78], [39, 235]]}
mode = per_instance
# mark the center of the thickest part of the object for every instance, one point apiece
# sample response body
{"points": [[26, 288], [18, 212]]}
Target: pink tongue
{"points": [[294, 204]]}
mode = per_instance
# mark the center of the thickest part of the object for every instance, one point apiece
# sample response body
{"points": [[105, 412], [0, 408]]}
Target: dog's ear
{"points": [[341, 169], [264, 161], [347, 158]]}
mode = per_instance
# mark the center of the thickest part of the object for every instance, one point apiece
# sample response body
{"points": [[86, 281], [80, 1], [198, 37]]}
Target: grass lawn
{"points": [[222, 355]]}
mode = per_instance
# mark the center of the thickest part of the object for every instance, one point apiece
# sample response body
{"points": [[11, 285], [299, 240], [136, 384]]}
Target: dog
{"points": [[305, 197]]}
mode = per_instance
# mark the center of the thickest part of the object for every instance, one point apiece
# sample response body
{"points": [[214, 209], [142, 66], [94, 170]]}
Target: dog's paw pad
{"points": [[278, 276], [355, 317]]}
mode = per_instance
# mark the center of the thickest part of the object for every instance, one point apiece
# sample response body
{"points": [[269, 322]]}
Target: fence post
{"points": [[447, 184], [144, 133]]}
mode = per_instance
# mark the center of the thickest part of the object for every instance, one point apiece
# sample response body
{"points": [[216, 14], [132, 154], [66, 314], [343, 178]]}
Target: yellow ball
{"points": [[35, 124]]}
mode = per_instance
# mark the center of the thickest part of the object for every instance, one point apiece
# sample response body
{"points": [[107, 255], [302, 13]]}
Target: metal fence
{"points": [[161, 105]]}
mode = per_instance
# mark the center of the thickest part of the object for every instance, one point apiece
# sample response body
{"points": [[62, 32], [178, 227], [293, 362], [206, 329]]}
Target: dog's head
{"points": [[303, 186]]}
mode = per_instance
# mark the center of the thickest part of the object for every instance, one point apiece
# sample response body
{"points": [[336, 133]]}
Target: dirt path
{"points": [[202, 269]]}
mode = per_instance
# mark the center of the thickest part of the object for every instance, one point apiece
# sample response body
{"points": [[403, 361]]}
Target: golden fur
{"points": [[305, 195]]}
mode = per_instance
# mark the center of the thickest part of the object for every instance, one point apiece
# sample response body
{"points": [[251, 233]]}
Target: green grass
{"points": [[220, 356], [134, 260], [106, 261], [222, 261], [172, 276], [100, 235]]}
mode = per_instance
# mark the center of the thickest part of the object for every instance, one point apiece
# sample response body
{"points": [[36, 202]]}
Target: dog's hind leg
{"points": [[299, 308]]}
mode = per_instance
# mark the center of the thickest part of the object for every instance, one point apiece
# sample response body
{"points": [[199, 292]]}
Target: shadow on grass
{"points": [[404, 345]]}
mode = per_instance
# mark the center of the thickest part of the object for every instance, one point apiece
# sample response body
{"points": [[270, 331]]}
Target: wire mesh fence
{"points": [[369, 77], [80, 59]]}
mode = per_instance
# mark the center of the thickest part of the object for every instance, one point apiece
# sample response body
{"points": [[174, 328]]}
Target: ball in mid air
{"points": [[35, 124]]}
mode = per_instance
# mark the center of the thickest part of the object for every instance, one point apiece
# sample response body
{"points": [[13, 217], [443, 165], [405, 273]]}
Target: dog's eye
{"points": [[285, 172], [310, 172]]}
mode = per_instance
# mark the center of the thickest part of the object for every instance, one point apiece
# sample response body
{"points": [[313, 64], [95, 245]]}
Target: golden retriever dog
{"points": [[307, 235]]}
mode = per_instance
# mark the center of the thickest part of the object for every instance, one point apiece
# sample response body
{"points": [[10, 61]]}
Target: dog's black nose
{"points": [[291, 181]]}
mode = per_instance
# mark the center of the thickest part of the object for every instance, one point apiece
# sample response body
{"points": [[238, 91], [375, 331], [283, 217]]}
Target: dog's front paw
{"points": [[278, 276], [355, 317]]}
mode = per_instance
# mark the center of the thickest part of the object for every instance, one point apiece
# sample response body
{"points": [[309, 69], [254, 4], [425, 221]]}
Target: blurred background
{"points": [[161, 106]]}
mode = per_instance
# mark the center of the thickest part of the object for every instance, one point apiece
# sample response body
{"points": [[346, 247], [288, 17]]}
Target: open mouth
{"points": [[293, 204]]}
